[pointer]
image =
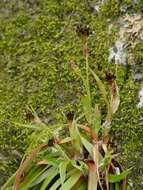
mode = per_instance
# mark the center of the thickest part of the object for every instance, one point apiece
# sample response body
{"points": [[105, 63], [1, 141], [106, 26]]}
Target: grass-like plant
{"points": [[81, 158]]}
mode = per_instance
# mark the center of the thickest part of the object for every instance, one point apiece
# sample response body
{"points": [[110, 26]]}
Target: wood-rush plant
{"points": [[83, 158]]}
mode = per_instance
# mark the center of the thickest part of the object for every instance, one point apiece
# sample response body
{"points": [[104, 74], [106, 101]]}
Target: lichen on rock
{"points": [[117, 53], [140, 96]]}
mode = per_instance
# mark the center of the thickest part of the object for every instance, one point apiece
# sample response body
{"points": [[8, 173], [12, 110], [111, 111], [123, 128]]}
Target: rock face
{"points": [[117, 54], [127, 50], [140, 96], [37, 43], [130, 35]]}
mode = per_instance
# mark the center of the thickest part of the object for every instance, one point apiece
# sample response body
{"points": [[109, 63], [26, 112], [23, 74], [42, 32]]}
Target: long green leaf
{"points": [[117, 178], [106, 160], [62, 170], [53, 161], [117, 186], [76, 141], [80, 166], [55, 185], [84, 80], [52, 173], [83, 186], [86, 103], [96, 119], [112, 186], [101, 87], [71, 181], [104, 95], [40, 178], [32, 179], [87, 145], [29, 176]]}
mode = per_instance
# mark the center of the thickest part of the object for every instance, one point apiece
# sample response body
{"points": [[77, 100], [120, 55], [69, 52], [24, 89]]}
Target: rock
{"points": [[117, 53], [140, 96]]}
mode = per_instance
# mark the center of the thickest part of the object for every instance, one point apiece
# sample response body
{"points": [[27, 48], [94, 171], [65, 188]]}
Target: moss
{"points": [[111, 8], [138, 52], [36, 49], [127, 130]]}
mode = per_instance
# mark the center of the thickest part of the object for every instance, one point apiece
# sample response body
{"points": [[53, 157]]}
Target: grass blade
{"points": [[40, 178], [71, 181], [117, 186], [96, 120], [62, 170], [104, 95], [87, 145], [83, 186], [75, 135], [56, 185], [52, 173], [117, 178], [32, 180], [86, 103]]}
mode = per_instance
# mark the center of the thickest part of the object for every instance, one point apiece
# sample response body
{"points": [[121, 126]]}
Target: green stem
{"points": [[85, 50]]}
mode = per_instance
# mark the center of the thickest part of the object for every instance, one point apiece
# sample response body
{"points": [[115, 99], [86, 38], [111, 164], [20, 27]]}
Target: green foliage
{"points": [[118, 178], [138, 53], [36, 48], [111, 8], [81, 156], [114, 8]]}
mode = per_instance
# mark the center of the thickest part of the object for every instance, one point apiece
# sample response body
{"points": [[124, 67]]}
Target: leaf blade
{"points": [[87, 145], [62, 170], [117, 178], [71, 181], [49, 178]]}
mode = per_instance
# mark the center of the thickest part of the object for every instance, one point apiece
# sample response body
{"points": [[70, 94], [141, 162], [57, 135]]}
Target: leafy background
{"points": [[38, 42]]}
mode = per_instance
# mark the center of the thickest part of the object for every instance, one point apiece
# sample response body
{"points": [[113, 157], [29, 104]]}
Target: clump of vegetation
{"points": [[81, 157]]}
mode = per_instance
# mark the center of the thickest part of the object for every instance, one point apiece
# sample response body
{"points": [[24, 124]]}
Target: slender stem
{"points": [[116, 70], [86, 55], [92, 176]]}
